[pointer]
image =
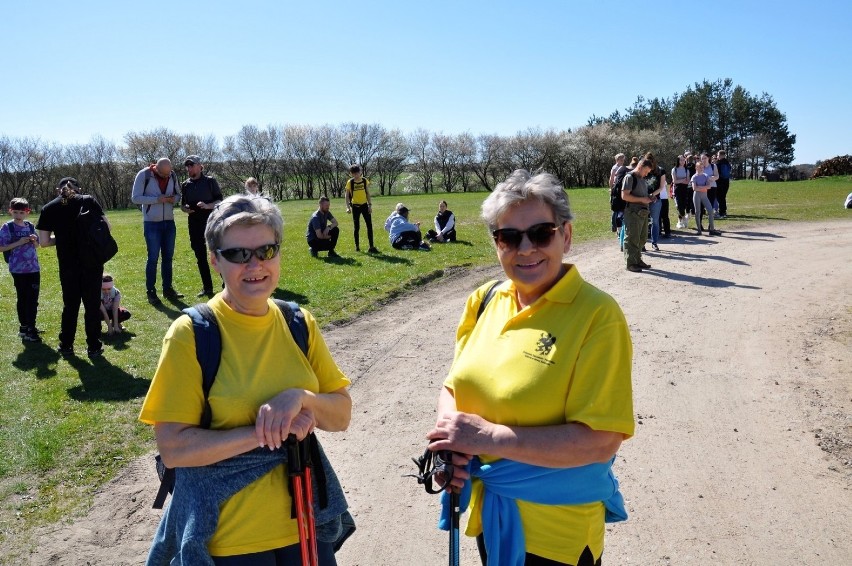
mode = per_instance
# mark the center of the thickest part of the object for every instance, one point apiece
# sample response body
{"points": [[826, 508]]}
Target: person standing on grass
{"points": [[201, 194], [156, 190], [700, 187], [79, 278], [358, 202], [619, 163], [18, 238], [634, 191], [723, 183], [322, 230]]}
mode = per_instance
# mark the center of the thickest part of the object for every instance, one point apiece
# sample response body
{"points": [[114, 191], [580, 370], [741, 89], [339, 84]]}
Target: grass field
{"points": [[68, 425]]}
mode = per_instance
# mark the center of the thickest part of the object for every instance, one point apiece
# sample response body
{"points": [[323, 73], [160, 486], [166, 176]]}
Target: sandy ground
{"points": [[743, 391]]}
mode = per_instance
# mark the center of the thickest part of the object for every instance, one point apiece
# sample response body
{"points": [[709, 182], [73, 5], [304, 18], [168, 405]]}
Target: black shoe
{"points": [[95, 352], [172, 295], [656, 247], [714, 233], [643, 265], [205, 293], [372, 250], [31, 336], [333, 253], [153, 298], [634, 268], [65, 351], [313, 252], [22, 331]]}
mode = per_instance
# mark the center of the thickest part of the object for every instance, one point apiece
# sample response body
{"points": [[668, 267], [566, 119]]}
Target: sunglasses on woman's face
{"points": [[243, 255], [540, 235]]}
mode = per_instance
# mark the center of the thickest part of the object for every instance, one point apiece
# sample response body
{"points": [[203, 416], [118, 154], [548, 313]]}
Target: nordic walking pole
{"points": [[307, 465], [297, 476], [454, 527]]}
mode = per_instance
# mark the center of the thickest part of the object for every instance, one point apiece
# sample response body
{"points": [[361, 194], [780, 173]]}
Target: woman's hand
{"points": [[277, 417], [464, 433]]}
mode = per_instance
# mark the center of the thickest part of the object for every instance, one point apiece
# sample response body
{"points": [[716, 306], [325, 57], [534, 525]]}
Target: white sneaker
{"points": [[680, 223]]}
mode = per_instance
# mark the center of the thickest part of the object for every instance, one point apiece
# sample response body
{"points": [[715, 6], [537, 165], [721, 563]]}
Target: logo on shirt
{"points": [[543, 347]]}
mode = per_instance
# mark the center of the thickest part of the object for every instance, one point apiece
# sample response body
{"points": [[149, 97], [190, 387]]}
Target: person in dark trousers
{"points": [[445, 225], [201, 194], [322, 230], [80, 281], [358, 203], [156, 190], [723, 183], [19, 240]]}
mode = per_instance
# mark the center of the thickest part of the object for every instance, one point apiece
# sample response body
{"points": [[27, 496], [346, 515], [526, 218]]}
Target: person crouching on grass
{"points": [[112, 311]]}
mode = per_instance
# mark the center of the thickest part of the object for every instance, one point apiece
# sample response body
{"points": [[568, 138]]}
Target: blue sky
{"points": [[74, 70]]}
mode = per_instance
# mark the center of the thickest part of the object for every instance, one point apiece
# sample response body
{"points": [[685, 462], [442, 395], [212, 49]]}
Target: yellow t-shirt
{"points": [[357, 191], [259, 360], [565, 358]]}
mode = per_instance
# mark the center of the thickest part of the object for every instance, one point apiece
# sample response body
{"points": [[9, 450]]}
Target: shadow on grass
{"points": [[753, 217], [118, 341], [100, 380], [38, 358], [457, 243], [285, 295]]}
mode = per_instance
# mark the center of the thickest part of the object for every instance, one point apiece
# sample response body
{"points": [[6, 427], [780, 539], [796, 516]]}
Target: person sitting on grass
{"points": [[445, 225], [405, 235], [112, 311]]}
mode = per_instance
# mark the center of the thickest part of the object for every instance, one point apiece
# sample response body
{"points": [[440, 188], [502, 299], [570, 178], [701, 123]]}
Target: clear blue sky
{"points": [[73, 70]]}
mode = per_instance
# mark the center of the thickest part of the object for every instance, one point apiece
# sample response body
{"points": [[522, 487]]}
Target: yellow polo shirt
{"points": [[259, 360], [565, 358]]}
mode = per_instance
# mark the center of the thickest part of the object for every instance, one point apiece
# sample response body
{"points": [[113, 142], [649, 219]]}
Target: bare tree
{"points": [[490, 152], [361, 143], [466, 145], [390, 160], [422, 153], [251, 152], [447, 159], [144, 148], [527, 150]]}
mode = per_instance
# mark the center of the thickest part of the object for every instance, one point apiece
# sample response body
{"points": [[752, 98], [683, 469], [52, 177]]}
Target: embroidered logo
{"points": [[543, 348], [545, 344]]}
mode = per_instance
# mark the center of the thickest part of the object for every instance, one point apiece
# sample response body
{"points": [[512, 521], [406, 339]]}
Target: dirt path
{"points": [[743, 391]]}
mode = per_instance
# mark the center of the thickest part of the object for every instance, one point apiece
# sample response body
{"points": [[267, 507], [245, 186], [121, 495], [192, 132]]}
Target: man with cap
{"points": [[156, 189], [201, 194], [79, 279]]}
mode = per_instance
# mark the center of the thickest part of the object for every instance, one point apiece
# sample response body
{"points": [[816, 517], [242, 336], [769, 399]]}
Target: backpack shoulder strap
{"points": [[489, 294], [295, 322], [208, 351]]}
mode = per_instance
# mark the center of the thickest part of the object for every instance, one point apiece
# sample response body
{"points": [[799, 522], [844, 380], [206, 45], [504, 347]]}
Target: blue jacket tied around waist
{"points": [[504, 481], [191, 519]]}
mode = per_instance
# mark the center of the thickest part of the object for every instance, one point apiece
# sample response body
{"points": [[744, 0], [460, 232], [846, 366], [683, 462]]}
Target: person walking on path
{"points": [[700, 187], [723, 183], [201, 194], [156, 190], [358, 202]]}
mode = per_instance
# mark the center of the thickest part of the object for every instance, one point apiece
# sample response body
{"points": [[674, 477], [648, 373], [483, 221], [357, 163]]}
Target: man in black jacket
{"points": [[201, 194]]}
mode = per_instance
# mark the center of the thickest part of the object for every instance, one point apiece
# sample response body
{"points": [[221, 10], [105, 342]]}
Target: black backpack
{"points": [[208, 351], [95, 244], [616, 203], [8, 253]]}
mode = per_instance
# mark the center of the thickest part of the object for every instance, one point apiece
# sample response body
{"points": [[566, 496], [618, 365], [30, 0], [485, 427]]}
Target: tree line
{"points": [[303, 162]]}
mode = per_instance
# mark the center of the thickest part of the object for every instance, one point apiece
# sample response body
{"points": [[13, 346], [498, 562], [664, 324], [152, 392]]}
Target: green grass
{"points": [[67, 426]]}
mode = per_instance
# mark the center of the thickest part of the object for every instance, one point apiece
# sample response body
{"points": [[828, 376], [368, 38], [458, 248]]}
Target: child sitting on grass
{"points": [[114, 314]]}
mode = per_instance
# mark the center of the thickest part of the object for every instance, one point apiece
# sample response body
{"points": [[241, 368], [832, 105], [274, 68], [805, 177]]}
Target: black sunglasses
{"points": [[243, 255], [540, 235]]}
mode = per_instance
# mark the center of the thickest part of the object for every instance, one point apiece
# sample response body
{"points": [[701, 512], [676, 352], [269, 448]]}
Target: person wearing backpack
{"points": [[634, 191], [79, 274], [18, 242], [266, 388], [156, 190], [358, 202]]}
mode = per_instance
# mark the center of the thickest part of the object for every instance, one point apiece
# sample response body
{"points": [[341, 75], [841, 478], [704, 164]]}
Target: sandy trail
{"points": [[743, 389]]}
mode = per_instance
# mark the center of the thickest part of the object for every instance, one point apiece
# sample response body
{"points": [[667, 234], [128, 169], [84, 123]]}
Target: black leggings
{"points": [[286, 556], [27, 286], [586, 558]]}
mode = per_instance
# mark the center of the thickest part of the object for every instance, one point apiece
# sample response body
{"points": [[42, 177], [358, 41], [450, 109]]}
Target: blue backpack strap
{"points": [[208, 351], [295, 322]]}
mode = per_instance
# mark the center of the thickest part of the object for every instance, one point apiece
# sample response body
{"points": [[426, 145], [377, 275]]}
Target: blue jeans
{"points": [[160, 240], [655, 207]]}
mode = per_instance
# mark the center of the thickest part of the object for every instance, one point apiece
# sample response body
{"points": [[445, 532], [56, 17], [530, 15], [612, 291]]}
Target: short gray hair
{"points": [[242, 210], [522, 186]]}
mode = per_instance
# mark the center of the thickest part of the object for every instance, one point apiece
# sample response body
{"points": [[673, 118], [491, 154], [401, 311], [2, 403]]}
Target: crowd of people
{"points": [[533, 428], [700, 189]]}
